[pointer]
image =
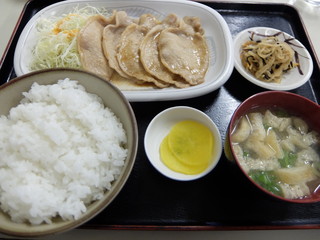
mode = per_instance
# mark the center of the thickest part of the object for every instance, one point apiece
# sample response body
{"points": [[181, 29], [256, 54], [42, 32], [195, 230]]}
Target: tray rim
{"points": [[317, 58], [196, 227], [187, 227]]}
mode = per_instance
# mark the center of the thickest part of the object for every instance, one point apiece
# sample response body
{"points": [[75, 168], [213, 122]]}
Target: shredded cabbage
{"points": [[57, 42]]}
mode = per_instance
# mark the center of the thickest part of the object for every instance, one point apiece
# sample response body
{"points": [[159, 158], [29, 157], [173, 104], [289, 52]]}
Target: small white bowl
{"points": [[161, 125], [290, 80]]}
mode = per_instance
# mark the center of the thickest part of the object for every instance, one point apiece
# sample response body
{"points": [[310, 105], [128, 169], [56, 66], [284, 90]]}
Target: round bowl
{"points": [[293, 103], [10, 96], [290, 80], [161, 125]]}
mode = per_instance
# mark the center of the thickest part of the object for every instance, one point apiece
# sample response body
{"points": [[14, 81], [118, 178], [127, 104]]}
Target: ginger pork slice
{"points": [[111, 39], [90, 47], [192, 24], [149, 54], [128, 54], [129, 84], [184, 51]]}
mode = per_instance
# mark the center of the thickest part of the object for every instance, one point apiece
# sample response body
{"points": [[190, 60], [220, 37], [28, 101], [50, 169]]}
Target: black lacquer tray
{"points": [[224, 199]]}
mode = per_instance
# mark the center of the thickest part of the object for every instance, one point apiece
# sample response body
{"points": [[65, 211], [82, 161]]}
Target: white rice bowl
{"points": [[60, 150]]}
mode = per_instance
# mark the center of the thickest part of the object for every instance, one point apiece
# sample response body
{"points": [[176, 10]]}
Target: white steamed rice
{"points": [[60, 149]]}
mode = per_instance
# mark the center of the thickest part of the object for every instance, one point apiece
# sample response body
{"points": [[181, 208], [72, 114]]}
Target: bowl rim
{"points": [[119, 183], [233, 120]]}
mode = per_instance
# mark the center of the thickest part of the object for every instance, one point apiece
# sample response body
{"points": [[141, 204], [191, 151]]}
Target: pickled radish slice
{"points": [[188, 148]]}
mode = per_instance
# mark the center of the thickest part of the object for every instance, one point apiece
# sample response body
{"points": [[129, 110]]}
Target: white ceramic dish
{"points": [[161, 125], [217, 34], [292, 79]]}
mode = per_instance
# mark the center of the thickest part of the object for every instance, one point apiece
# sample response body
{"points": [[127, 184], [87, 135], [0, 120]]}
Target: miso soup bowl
{"points": [[293, 103]]}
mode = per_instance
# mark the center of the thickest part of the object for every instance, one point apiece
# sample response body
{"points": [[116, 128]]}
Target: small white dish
{"points": [[216, 29], [292, 79], [159, 128]]}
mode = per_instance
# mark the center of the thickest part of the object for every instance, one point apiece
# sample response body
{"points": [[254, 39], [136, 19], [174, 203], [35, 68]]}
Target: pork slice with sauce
{"points": [[111, 39], [129, 50], [90, 46], [149, 53], [184, 51]]}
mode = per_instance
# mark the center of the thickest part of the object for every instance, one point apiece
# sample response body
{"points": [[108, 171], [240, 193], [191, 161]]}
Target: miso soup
{"points": [[279, 151]]}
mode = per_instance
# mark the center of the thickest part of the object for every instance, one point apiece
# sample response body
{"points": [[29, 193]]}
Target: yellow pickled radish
{"points": [[174, 164], [191, 142], [188, 148]]}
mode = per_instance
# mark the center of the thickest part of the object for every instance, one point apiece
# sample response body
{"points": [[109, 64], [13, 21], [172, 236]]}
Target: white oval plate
{"points": [[216, 29], [292, 79]]}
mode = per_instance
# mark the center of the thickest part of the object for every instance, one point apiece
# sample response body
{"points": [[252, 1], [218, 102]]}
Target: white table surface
{"points": [[10, 11]]}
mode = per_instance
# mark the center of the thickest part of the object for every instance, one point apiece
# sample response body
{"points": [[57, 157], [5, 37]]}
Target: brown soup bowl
{"points": [[292, 103]]}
